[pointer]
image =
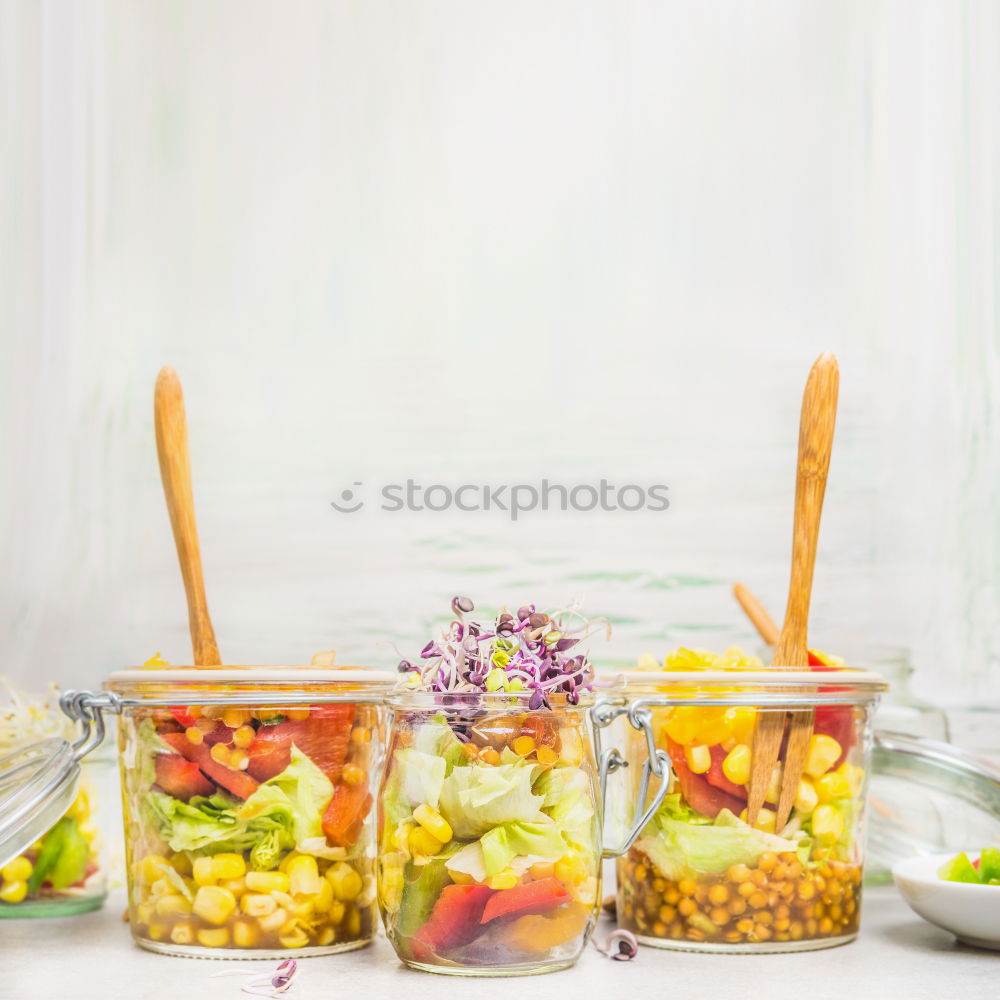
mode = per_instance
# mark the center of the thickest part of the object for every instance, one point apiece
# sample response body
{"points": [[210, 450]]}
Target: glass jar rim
{"points": [[509, 701], [261, 682], [838, 685]]}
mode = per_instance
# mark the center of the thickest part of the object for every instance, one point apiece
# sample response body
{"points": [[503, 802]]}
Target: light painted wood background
{"points": [[473, 242]]}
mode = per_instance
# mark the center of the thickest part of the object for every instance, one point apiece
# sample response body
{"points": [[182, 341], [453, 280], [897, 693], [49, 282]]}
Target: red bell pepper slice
{"points": [[699, 794], [237, 783], [454, 921], [181, 778], [345, 815], [540, 896], [716, 777]]}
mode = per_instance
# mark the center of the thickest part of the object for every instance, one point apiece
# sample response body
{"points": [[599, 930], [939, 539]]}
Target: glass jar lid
{"points": [[37, 786], [778, 686], [248, 685], [928, 797]]}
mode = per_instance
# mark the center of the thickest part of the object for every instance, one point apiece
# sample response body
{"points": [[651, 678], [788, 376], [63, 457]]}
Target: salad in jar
{"points": [[61, 872], [248, 825], [700, 875], [489, 848]]}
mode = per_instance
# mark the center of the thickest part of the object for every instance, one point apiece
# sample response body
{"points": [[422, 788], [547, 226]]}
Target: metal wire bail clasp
{"points": [[87, 708], [610, 760]]}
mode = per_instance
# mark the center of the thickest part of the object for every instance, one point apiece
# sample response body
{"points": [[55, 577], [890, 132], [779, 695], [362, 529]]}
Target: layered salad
{"points": [[247, 827], [61, 872], [489, 844], [701, 874]]}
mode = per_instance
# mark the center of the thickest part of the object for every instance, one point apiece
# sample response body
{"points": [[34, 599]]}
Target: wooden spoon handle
{"points": [[819, 412], [175, 471], [757, 614]]}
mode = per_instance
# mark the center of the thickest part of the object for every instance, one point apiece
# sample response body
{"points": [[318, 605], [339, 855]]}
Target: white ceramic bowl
{"points": [[970, 912]]}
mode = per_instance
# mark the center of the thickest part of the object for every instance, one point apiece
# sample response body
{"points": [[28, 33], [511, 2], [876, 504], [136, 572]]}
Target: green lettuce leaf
{"points": [[476, 799], [678, 847], [282, 811], [540, 841], [568, 797]]}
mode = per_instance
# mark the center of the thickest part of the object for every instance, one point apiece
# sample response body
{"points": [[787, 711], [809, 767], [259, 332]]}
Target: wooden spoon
{"points": [[816, 424], [175, 471], [757, 613]]}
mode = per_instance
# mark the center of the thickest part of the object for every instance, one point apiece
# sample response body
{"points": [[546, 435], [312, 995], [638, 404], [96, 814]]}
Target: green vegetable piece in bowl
{"points": [[959, 869], [989, 865]]}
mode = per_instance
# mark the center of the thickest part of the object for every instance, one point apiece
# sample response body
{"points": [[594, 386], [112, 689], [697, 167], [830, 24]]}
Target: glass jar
{"points": [[247, 795], [61, 868], [489, 834], [699, 877]]}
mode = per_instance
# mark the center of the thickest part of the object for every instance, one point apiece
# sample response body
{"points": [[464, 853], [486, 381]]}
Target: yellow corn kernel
{"points": [[345, 881], [239, 760], [235, 717], [354, 775], [14, 891], [214, 904], [246, 934], [172, 906], [203, 871], [303, 907], [274, 920], [267, 881], [287, 860], [336, 914], [294, 936], [213, 937], [523, 746], [298, 714], [144, 913], [699, 758], [283, 899], [324, 897], [489, 756], [827, 823], [503, 880], [433, 822], [161, 887], [183, 932], [18, 869], [194, 735], [542, 869], [823, 753], [361, 735], [855, 776], [237, 886], [257, 904], [832, 786], [206, 723], [220, 754], [158, 931], [181, 863], [570, 870], [243, 737], [325, 936], [151, 868], [401, 836], [390, 887], [586, 891], [806, 800], [765, 820], [546, 755], [303, 876], [424, 843], [736, 766], [353, 928], [226, 866]]}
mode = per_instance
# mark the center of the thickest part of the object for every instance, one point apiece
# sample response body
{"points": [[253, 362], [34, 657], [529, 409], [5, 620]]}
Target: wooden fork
{"points": [[819, 412]]}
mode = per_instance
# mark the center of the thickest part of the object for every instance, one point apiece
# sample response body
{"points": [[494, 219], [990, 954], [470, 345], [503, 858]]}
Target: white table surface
{"points": [[897, 956]]}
